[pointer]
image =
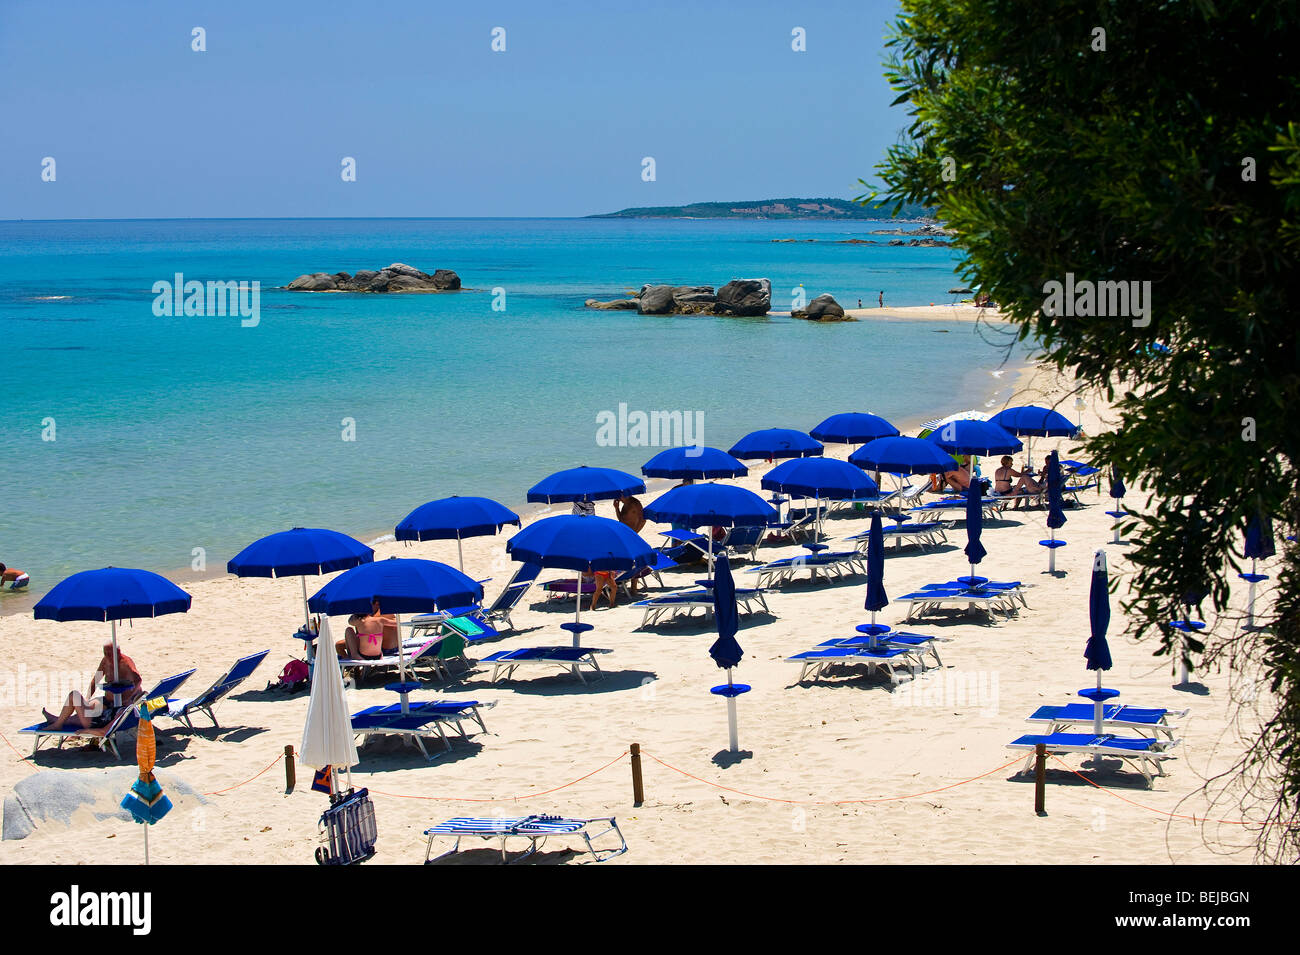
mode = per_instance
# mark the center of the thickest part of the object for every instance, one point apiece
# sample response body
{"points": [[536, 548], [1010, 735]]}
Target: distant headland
{"points": [[770, 209]]}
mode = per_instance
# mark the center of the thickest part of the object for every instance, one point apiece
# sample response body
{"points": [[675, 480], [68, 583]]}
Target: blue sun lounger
{"points": [[890, 659], [218, 691], [1143, 753], [533, 828], [992, 507], [992, 598], [832, 564], [920, 644], [505, 662], [921, 533], [123, 721], [686, 602], [469, 622], [423, 720], [510, 597], [1113, 716]]}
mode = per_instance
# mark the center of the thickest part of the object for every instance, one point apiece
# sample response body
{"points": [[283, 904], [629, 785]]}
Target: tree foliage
{"points": [[1142, 141]]}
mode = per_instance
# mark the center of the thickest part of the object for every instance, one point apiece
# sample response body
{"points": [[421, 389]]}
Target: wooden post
{"points": [[289, 775], [1040, 779], [638, 789]]}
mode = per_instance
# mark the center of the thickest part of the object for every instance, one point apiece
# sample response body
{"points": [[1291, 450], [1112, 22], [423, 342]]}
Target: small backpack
{"points": [[293, 677]]}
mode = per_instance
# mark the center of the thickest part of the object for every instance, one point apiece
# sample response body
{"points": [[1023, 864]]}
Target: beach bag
{"points": [[293, 677]]}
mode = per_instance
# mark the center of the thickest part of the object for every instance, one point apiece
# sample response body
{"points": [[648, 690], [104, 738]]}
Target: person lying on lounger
{"points": [[98, 707]]}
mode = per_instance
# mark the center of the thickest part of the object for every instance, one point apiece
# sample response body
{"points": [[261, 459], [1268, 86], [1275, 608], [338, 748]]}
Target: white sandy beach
{"points": [[930, 755]]}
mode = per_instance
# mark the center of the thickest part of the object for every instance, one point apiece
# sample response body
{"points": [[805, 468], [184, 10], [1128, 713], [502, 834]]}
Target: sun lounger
{"points": [[1113, 716], [992, 507], [890, 659], [123, 721], [414, 653], [743, 542], [533, 828], [1144, 753], [943, 596], [511, 595], [661, 563], [921, 533], [832, 564], [505, 662], [918, 643], [566, 587], [686, 602], [218, 691], [471, 623], [423, 720]]}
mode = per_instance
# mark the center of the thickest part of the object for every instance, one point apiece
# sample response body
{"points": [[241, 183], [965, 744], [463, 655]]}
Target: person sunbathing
{"points": [[388, 623], [100, 705], [630, 512], [958, 480], [13, 578], [363, 639], [1003, 477]]}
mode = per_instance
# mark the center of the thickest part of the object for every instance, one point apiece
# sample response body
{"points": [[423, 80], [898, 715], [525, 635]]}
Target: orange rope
{"points": [[21, 757], [831, 802], [246, 781], [545, 792]]}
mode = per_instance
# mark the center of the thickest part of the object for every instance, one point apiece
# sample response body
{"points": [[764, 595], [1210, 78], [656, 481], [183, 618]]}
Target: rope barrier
{"points": [[545, 792], [246, 781]]}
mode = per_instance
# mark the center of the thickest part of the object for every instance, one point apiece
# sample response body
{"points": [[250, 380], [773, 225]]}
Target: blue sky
{"points": [[141, 126]]}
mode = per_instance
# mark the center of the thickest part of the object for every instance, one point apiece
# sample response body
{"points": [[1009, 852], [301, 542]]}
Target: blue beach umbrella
{"points": [[967, 436], [711, 505], [585, 484], [1097, 651], [975, 551], [110, 595], [455, 517], [853, 427], [877, 599], [903, 456], [820, 478], [1055, 509], [1035, 421], [297, 553], [584, 544], [726, 652], [773, 443], [699, 464]]}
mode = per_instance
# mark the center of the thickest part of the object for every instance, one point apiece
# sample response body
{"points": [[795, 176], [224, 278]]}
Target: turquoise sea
{"points": [[172, 433]]}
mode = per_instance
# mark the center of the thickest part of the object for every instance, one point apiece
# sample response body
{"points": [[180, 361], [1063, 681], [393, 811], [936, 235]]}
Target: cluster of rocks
{"points": [[739, 297], [823, 308], [395, 278], [926, 243]]}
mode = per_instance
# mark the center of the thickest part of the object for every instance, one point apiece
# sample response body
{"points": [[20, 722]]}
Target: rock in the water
{"points": [[617, 304], [684, 295], [655, 300], [397, 277], [446, 280], [824, 308], [745, 297], [316, 282], [66, 796]]}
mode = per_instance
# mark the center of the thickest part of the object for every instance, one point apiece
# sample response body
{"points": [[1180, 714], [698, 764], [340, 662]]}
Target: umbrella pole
{"points": [[146, 843], [1051, 551], [401, 662], [710, 551], [1096, 709], [733, 736], [577, 612], [306, 616], [1250, 603], [116, 675], [460, 553]]}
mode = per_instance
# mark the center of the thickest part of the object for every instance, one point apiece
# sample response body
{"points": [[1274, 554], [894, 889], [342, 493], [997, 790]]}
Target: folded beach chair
{"points": [[890, 659], [831, 564], [1113, 715], [505, 662], [218, 691], [1143, 753], [686, 602], [423, 720], [533, 828], [123, 720]]}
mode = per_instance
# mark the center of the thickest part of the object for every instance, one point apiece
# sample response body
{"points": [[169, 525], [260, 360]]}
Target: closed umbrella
{"points": [[726, 652], [877, 599], [455, 517], [697, 464], [327, 739], [1117, 491], [975, 551], [1055, 509], [1097, 651], [145, 800], [1259, 546]]}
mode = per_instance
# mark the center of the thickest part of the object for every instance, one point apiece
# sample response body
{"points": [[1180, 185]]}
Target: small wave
{"points": [[381, 539], [50, 298], [56, 348]]}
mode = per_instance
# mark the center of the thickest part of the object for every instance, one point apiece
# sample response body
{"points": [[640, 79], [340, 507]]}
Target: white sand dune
{"points": [[930, 755]]}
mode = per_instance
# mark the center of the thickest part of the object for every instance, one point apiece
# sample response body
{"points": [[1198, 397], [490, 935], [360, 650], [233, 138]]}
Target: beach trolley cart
{"points": [[533, 828], [349, 829]]}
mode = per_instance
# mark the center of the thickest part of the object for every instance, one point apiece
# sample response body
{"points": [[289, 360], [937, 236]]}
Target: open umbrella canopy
{"points": [[455, 518], [968, 415], [298, 552], [585, 484], [772, 443], [902, 456], [877, 599], [697, 463], [402, 585], [725, 651], [572, 542], [113, 593], [853, 427], [966, 436], [327, 738], [1097, 652], [1035, 421], [1055, 497], [820, 478], [714, 505]]}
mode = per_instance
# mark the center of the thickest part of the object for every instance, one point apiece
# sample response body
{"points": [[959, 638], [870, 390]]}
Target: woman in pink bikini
{"points": [[364, 638]]}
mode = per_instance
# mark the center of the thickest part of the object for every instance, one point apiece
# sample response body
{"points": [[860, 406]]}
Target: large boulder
{"points": [[745, 297], [684, 295], [618, 304], [824, 308], [397, 277], [655, 300], [315, 282], [446, 280]]}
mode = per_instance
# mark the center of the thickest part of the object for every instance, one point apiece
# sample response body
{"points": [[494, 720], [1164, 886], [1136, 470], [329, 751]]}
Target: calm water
{"points": [[176, 433]]}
